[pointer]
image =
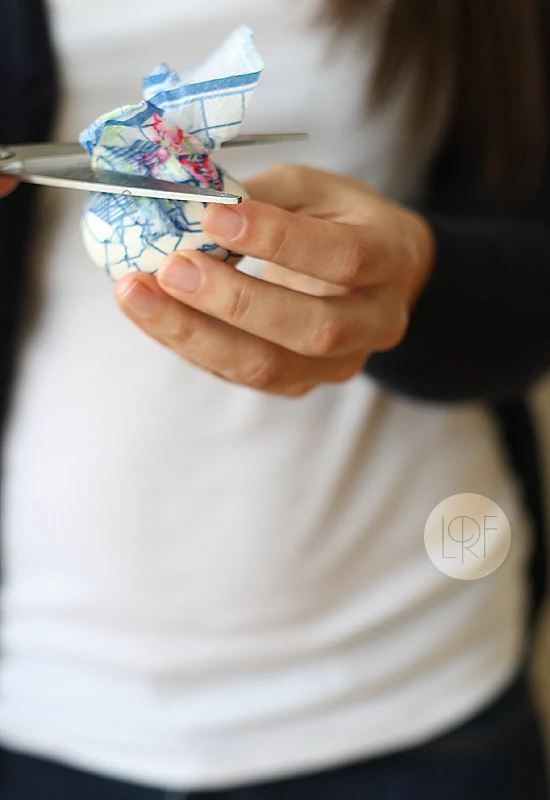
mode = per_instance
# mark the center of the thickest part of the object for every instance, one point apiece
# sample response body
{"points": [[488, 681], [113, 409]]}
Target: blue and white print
{"points": [[168, 136]]}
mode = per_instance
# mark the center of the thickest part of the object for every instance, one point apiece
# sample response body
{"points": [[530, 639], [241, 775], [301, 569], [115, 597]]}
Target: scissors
{"points": [[67, 166]]}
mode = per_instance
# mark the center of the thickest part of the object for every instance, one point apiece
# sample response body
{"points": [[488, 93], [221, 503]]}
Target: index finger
{"points": [[332, 251]]}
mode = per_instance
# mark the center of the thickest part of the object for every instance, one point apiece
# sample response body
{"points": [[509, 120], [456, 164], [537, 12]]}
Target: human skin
{"points": [[7, 185], [346, 266]]}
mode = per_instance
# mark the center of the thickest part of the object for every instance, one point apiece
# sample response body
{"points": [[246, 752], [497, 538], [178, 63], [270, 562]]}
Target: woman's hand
{"points": [[7, 185], [346, 267]]}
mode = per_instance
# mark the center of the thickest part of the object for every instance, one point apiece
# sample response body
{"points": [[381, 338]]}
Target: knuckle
{"points": [[262, 374], [276, 239], [350, 259], [179, 333], [237, 304], [326, 337], [394, 333], [298, 390], [349, 370], [293, 175]]}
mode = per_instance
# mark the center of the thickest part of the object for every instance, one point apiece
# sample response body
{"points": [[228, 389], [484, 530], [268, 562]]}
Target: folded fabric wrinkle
{"points": [[170, 136]]}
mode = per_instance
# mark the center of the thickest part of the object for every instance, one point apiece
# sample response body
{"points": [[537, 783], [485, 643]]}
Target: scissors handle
{"points": [[42, 156]]}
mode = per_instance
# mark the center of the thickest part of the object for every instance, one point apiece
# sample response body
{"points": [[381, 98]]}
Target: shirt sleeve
{"points": [[481, 328]]}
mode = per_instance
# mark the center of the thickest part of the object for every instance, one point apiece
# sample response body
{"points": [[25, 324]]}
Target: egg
{"points": [[169, 136], [120, 238]]}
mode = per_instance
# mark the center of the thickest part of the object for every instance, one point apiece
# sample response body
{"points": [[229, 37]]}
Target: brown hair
{"points": [[495, 52]]}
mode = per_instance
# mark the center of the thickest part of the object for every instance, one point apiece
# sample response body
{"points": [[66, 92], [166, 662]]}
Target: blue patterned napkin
{"points": [[168, 136]]}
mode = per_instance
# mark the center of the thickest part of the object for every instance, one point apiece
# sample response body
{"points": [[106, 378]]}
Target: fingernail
{"points": [[140, 301], [180, 274], [223, 221]]}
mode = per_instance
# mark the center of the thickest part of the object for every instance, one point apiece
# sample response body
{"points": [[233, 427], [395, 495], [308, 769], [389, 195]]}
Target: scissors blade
{"points": [[252, 139], [66, 165], [107, 182], [38, 157]]}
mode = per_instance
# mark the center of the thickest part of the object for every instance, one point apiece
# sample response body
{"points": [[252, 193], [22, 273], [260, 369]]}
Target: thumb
{"points": [[295, 187]]}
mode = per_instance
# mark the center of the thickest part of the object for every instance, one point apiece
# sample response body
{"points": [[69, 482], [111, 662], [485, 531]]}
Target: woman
{"points": [[214, 579]]}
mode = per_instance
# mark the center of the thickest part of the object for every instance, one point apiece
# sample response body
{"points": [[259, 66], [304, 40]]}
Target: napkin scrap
{"points": [[169, 136]]}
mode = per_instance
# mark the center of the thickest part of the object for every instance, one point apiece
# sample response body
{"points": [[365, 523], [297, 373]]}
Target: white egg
{"points": [[125, 234]]}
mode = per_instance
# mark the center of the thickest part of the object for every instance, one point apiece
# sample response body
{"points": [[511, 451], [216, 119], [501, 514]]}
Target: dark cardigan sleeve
{"points": [[28, 92], [481, 329]]}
